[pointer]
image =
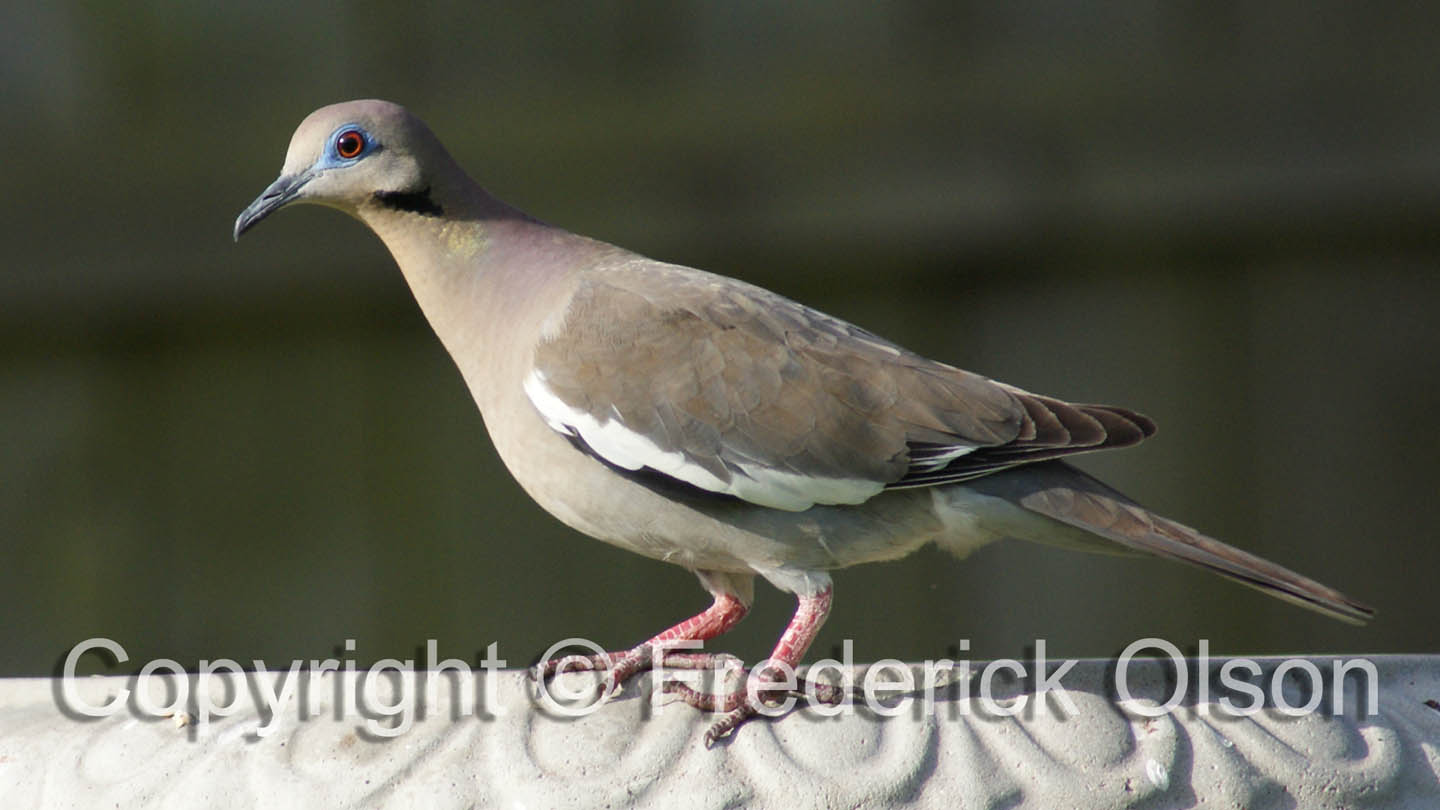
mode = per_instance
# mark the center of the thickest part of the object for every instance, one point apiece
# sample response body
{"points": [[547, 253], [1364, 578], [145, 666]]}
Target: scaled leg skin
{"points": [[732, 596], [810, 613]]}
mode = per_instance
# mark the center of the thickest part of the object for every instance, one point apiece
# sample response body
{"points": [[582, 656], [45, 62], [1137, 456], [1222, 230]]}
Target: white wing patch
{"points": [[795, 492], [937, 458], [623, 447]]}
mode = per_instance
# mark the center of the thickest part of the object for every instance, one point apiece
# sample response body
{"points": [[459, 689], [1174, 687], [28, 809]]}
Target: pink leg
{"points": [[724, 613], [810, 614]]}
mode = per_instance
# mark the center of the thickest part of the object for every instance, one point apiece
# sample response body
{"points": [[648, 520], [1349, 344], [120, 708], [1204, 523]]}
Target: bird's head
{"points": [[352, 155]]}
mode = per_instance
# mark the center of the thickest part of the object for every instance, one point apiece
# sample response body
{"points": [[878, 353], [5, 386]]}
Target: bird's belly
{"points": [[701, 530]]}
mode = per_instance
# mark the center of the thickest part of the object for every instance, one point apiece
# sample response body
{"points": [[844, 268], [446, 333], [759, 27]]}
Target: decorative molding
{"points": [[632, 752]]}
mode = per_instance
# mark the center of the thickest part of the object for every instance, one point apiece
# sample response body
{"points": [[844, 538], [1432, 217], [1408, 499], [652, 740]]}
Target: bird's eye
{"points": [[350, 143]]}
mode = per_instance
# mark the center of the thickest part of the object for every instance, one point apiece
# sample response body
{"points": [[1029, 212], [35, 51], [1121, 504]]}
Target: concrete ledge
{"points": [[1082, 745]]}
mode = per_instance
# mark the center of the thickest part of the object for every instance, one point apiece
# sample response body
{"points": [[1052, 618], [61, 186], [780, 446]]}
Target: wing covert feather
{"points": [[736, 389]]}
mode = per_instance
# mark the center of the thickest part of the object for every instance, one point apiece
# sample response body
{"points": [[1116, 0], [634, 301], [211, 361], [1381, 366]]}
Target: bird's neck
{"points": [[486, 275]]}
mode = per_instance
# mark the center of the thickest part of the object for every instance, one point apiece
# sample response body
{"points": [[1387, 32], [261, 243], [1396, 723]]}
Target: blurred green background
{"points": [[1223, 214]]}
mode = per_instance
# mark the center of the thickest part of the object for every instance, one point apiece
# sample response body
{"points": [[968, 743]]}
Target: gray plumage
{"points": [[731, 375], [708, 422]]}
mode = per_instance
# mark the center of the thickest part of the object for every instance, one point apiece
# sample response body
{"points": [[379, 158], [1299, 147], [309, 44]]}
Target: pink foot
{"points": [[809, 615], [620, 667]]}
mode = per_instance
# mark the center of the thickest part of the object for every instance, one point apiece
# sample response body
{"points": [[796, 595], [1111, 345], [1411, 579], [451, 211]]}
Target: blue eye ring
{"points": [[350, 144], [346, 145]]}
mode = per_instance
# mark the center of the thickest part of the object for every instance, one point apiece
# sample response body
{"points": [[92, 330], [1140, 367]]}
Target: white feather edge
{"points": [[630, 450], [939, 460]]}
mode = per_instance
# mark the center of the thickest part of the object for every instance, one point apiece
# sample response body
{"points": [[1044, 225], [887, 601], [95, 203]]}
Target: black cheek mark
{"points": [[416, 202]]}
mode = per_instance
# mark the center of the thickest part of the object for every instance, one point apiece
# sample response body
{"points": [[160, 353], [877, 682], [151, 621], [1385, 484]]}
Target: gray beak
{"points": [[272, 199]]}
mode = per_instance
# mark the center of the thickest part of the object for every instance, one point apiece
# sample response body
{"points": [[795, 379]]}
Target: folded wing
{"points": [[738, 391]]}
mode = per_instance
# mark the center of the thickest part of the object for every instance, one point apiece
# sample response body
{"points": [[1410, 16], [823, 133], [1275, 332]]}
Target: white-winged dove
{"points": [[716, 425]]}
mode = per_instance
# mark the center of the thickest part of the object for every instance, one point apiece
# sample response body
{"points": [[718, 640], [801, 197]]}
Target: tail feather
{"points": [[1061, 492]]}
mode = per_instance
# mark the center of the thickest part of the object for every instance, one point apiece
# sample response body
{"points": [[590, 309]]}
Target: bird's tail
{"points": [[1060, 492]]}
